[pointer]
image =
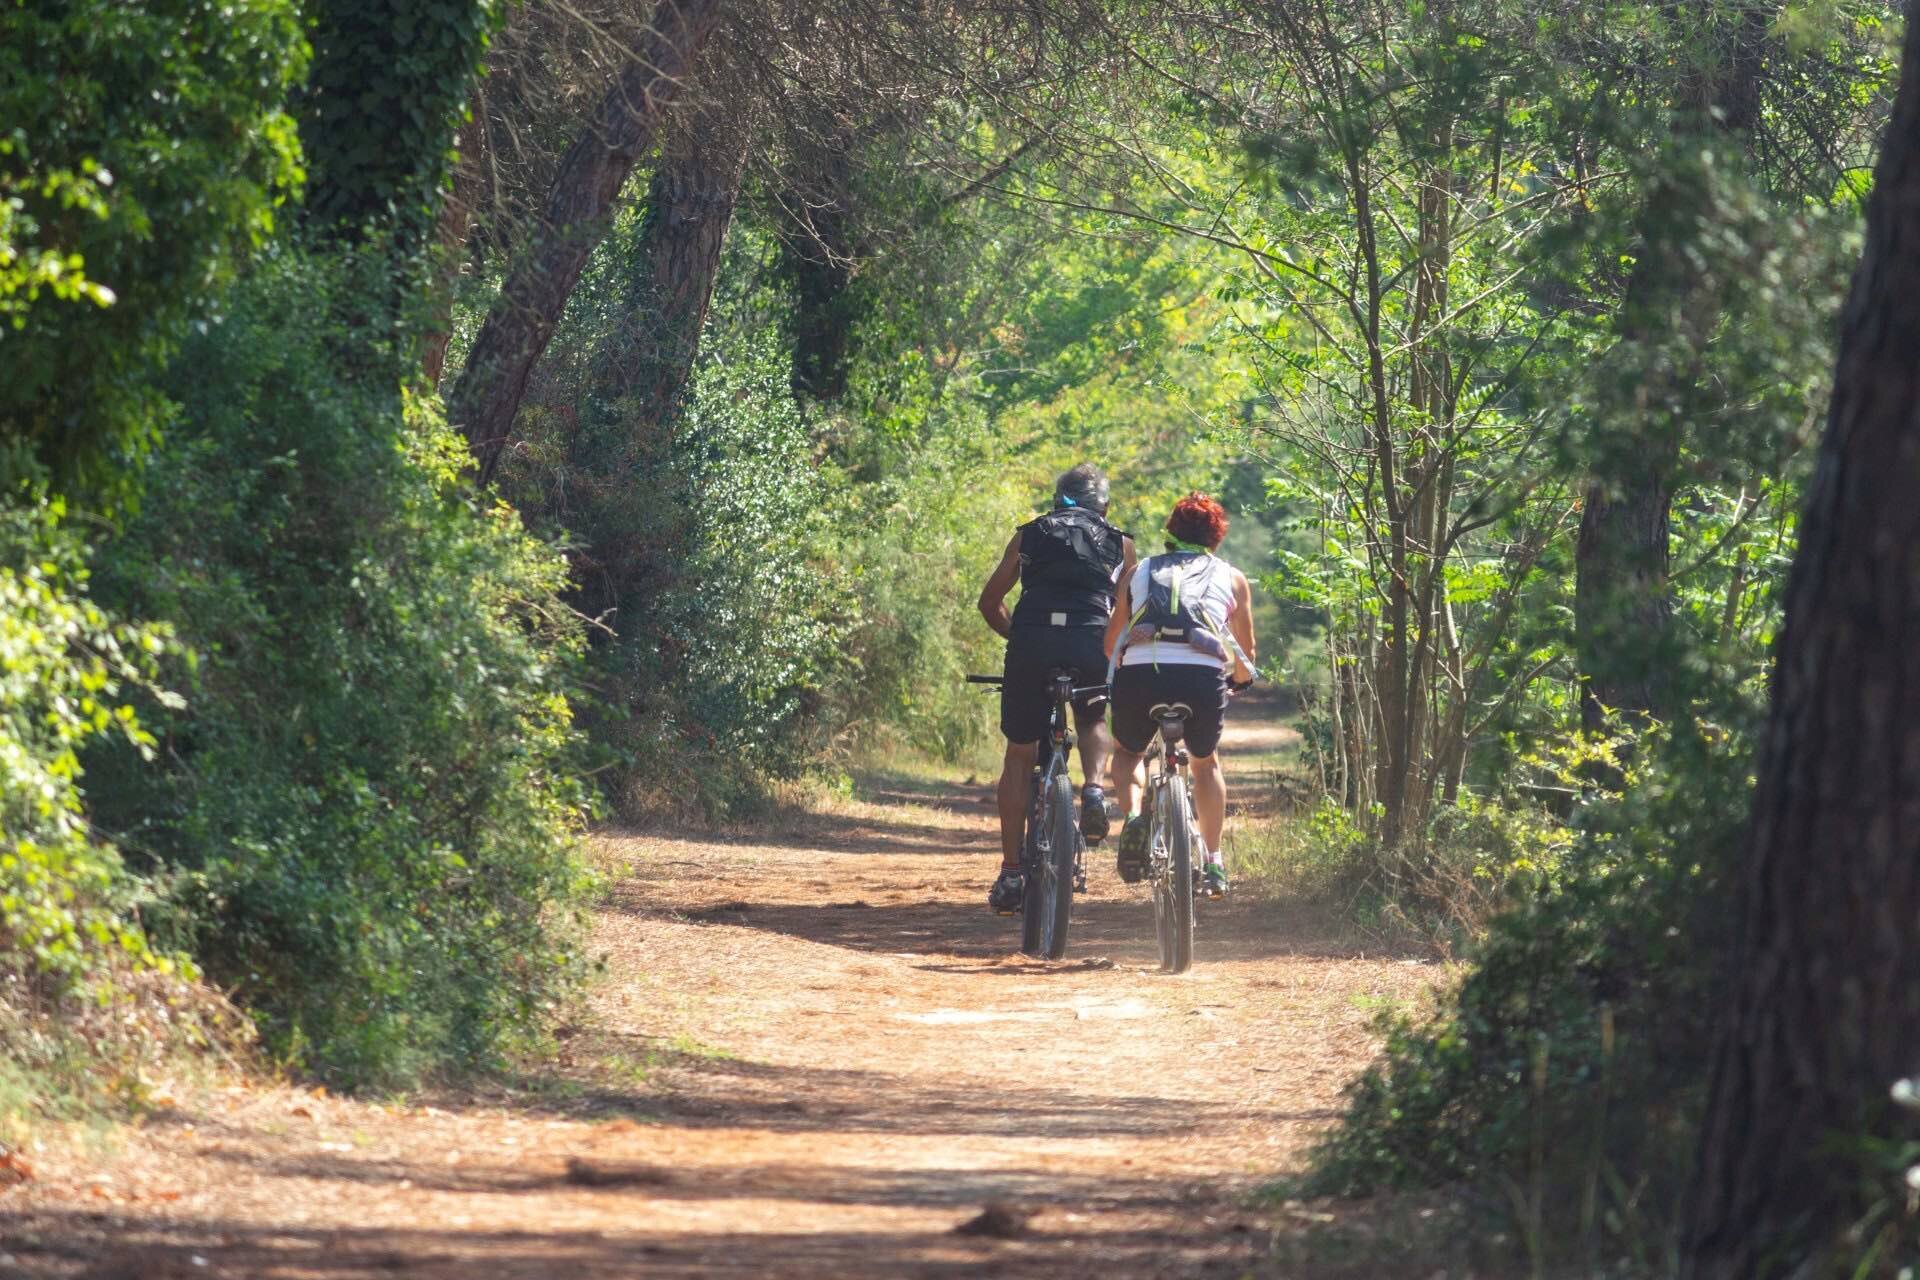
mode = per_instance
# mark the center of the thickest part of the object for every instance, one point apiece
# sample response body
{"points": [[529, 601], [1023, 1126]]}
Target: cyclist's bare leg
{"points": [[1096, 745], [1016, 788], [1210, 798], [1126, 778]]}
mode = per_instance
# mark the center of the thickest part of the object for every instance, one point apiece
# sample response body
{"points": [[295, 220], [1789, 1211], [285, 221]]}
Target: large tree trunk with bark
{"points": [[641, 369], [1623, 604], [646, 364], [1825, 1014], [578, 205]]}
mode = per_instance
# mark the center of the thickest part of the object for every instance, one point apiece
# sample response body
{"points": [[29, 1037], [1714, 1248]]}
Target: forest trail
{"points": [[815, 1054]]}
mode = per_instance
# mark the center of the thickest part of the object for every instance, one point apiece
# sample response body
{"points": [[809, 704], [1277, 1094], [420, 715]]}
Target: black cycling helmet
{"points": [[1082, 486]]}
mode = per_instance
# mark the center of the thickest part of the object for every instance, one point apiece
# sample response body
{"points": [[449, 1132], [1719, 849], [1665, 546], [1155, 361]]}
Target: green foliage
{"points": [[87, 1004], [727, 658], [142, 147], [704, 549], [389, 82], [1591, 997], [366, 819], [66, 674]]}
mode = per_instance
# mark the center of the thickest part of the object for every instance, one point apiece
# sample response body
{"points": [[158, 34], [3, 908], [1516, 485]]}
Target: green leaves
{"points": [[365, 822], [389, 82], [65, 923], [144, 153]]}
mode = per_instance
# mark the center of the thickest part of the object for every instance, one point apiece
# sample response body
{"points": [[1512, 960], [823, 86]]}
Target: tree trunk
{"points": [[1622, 607], [817, 255], [578, 204], [645, 366], [641, 370], [1825, 1013], [1622, 602], [456, 215]]}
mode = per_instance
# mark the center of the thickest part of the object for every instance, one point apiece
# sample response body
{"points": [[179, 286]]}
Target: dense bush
{"points": [[1590, 997], [703, 550], [723, 662], [66, 672], [364, 820], [85, 1002], [142, 149]]}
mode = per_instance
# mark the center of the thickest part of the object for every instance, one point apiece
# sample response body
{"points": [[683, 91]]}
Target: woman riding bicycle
{"points": [[1182, 629]]}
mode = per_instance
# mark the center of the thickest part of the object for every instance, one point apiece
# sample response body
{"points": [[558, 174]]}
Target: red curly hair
{"points": [[1199, 520]]}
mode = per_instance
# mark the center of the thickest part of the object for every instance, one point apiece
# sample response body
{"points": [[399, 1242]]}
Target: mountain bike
{"points": [[1052, 854], [1170, 838]]}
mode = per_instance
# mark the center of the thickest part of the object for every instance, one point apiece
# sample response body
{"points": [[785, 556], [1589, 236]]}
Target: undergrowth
{"points": [[363, 820], [1587, 998]]}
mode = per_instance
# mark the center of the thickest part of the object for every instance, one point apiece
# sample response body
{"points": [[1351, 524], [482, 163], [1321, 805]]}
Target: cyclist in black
{"points": [[1067, 563]]}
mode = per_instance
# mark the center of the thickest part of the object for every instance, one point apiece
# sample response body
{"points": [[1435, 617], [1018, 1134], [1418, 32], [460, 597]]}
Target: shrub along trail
{"points": [[815, 1054]]}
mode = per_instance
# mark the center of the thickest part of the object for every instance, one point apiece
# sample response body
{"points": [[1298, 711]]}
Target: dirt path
{"points": [[816, 1055]]}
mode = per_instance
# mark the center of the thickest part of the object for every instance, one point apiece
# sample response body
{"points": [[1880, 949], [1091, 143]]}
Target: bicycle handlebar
{"points": [[1080, 691]]}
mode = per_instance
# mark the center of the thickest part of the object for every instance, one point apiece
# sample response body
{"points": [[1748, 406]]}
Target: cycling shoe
{"points": [[1008, 892], [1132, 859], [1093, 814]]}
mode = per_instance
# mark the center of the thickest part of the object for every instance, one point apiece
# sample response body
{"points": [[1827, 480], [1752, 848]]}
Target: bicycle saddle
{"points": [[1165, 711]]}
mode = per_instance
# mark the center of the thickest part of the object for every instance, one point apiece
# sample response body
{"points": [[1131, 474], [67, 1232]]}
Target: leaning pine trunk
{"points": [[578, 206], [647, 362]]}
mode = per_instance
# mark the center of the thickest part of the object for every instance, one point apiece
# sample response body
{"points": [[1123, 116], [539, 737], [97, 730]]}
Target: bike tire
{"points": [[1049, 902], [1173, 890], [1032, 853]]}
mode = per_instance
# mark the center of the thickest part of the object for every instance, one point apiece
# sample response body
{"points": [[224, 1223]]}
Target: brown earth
{"points": [[816, 1054]]}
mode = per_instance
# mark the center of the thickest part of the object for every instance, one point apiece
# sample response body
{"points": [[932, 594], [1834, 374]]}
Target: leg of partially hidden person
{"points": [[1096, 745], [1126, 780], [1131, 857], [1210, 801], [1016, 786], [1016, 789]]}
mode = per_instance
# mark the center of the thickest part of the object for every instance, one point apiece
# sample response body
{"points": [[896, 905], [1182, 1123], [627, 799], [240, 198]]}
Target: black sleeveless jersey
{"points": [[1070, 560]]}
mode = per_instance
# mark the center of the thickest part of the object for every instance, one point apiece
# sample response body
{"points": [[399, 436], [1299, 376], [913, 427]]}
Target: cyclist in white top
{"points": [[1182, 631]]}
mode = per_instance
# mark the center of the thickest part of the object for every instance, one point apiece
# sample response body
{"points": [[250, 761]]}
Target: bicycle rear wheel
{"points": [[1173, 881], [1052, 841]]}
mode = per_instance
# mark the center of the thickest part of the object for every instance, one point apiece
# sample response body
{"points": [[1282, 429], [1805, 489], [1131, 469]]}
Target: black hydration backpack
{"points": [[1071, 558]]}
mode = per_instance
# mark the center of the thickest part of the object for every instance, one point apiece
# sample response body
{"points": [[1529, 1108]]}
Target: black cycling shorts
{"points": [[1032, 655], [1138, 689]]}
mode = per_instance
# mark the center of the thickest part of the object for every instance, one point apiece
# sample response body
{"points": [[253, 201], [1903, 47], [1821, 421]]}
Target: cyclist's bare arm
{"points": [[993, 596], [1241, 624], [1122, 599]]}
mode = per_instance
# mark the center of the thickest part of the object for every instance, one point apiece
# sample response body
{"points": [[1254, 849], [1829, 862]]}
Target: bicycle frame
{"points": [[1170, 844], [1051, 848], [1173, 761]]}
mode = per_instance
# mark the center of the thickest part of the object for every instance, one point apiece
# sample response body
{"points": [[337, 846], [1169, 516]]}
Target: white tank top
{"points": [[1208, 592]]}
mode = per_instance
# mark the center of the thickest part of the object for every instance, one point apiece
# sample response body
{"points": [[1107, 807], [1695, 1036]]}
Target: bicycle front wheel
{"points": [[1052, 842], [1173, 880]]}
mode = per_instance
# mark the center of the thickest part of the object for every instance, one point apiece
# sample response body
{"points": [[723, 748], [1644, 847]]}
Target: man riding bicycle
{"points": [[1183, 629], [1067, 563]]}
